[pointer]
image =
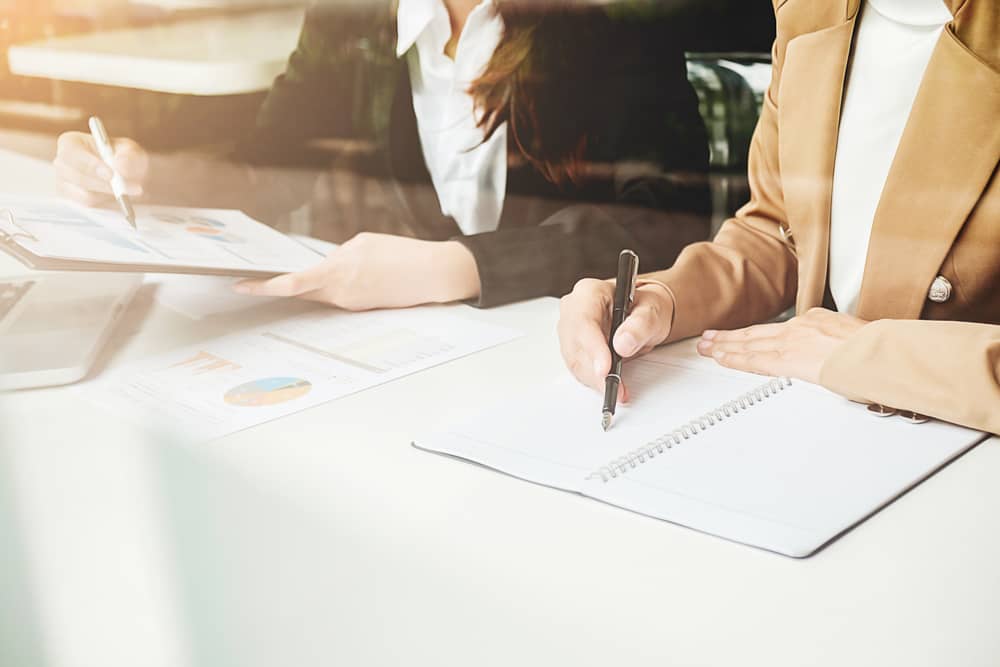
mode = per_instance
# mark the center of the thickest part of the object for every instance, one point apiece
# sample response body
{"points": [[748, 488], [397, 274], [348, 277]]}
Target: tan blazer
{"points": [[939, 215]]}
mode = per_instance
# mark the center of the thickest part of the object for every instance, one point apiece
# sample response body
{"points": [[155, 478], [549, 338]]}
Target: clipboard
{"points": [[52, 235]]}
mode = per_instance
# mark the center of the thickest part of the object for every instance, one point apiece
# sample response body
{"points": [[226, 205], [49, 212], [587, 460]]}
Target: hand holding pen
{"points": [[107, 153], [84, 177], [585, 330], [628, 270]]}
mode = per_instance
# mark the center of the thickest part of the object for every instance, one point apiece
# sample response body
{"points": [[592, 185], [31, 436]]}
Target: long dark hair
{"points": [[521, 87]]}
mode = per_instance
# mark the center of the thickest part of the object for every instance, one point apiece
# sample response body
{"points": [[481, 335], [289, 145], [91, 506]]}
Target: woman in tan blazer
{"points": [[924, 332]]}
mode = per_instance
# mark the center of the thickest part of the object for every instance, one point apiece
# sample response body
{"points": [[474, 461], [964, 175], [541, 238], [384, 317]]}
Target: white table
{"points": [[218, 56], [325, 539]]}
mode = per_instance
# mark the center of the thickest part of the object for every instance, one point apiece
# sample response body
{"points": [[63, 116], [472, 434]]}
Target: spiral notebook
{"points": [[773, 463]]}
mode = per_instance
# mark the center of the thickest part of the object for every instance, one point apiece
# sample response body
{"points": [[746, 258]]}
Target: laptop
{"points": [[54, 325]]}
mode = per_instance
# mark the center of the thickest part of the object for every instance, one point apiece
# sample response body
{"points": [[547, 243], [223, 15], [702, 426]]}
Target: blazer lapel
{"points": [[812, 86], [946, 156]]}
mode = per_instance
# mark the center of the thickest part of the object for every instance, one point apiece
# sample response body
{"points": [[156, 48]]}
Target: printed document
{"points": [[49, 233], [234, 382]]}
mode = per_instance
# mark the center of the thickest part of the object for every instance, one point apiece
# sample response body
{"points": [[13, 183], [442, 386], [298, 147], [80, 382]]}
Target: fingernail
{"points": [[718, 355], [704, 345], [598, 367], [627, 344], [709, 334]]}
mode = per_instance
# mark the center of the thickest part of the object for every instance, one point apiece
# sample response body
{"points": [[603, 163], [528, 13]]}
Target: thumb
{"points": [[289, 284], [641, 330]]}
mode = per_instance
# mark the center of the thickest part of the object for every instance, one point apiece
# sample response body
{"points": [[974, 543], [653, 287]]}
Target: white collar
{"points": [[913, 12], [412, 18]]}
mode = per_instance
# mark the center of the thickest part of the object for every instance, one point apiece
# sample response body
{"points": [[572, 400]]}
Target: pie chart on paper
{"points": [[267, 392]]}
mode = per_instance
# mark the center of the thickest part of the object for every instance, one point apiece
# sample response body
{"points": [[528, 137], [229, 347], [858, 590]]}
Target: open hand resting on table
{"points": [[83, 176], [380, 271], [797, 348]]}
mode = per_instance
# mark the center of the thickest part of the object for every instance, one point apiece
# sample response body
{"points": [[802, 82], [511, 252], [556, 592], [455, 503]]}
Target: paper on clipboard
{"points": [[48, 233]]}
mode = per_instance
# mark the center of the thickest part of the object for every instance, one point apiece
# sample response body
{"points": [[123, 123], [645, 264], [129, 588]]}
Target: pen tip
{"points": [[606, 421], [129, 213]]}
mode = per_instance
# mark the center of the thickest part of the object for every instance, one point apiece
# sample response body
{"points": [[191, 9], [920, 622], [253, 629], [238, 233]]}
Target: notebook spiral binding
{"points": [[638, 456]]}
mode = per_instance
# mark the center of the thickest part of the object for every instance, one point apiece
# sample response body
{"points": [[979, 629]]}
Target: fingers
{"points": [[585, 320], [587, 355], [765, 349], [82, 196], [647, 325], [709, 347], [79, 167], [131, 161], [797, 348], [290, 284], [583, 325], [76, 151], [86, 181], [747, 333], [768, 362]]}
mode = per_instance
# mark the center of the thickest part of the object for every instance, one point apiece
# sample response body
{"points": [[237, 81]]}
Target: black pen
{"points": [[628, 269]]}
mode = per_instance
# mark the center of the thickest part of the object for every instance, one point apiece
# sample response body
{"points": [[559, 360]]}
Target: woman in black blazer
{"points": [[605, 150]]}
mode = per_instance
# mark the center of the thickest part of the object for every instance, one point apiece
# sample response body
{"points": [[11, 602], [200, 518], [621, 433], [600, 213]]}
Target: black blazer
{"points": [[615, 74]]}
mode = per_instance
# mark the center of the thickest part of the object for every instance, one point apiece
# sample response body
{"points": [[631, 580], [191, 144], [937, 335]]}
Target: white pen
{"points": [[107, 153]]}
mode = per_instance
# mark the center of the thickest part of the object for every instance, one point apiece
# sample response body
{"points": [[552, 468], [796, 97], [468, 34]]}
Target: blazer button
{"points": [[940, 290]]}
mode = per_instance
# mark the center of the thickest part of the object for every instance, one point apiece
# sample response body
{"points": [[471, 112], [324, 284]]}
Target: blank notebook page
{"points": [[789, 473], [552, 434]]}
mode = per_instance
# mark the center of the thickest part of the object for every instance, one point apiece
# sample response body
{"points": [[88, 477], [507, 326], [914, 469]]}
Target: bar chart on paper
{"points": [[231, 383]]}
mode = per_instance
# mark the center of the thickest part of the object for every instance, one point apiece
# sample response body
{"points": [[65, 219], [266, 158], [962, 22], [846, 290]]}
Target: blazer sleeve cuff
{"points": [[501, 279], [845, 371], [947, 370]]}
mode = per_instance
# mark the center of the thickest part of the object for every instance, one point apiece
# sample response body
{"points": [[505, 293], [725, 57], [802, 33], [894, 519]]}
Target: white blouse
{"points": [[469, 176], [892, 46]]}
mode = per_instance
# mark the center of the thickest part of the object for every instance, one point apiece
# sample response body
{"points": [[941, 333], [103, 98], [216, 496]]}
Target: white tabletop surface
{"points": [[326, 539], [218, 56]]}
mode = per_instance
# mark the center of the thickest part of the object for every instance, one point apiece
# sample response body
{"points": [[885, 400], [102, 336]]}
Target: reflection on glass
{"points": [[461, 151]]}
